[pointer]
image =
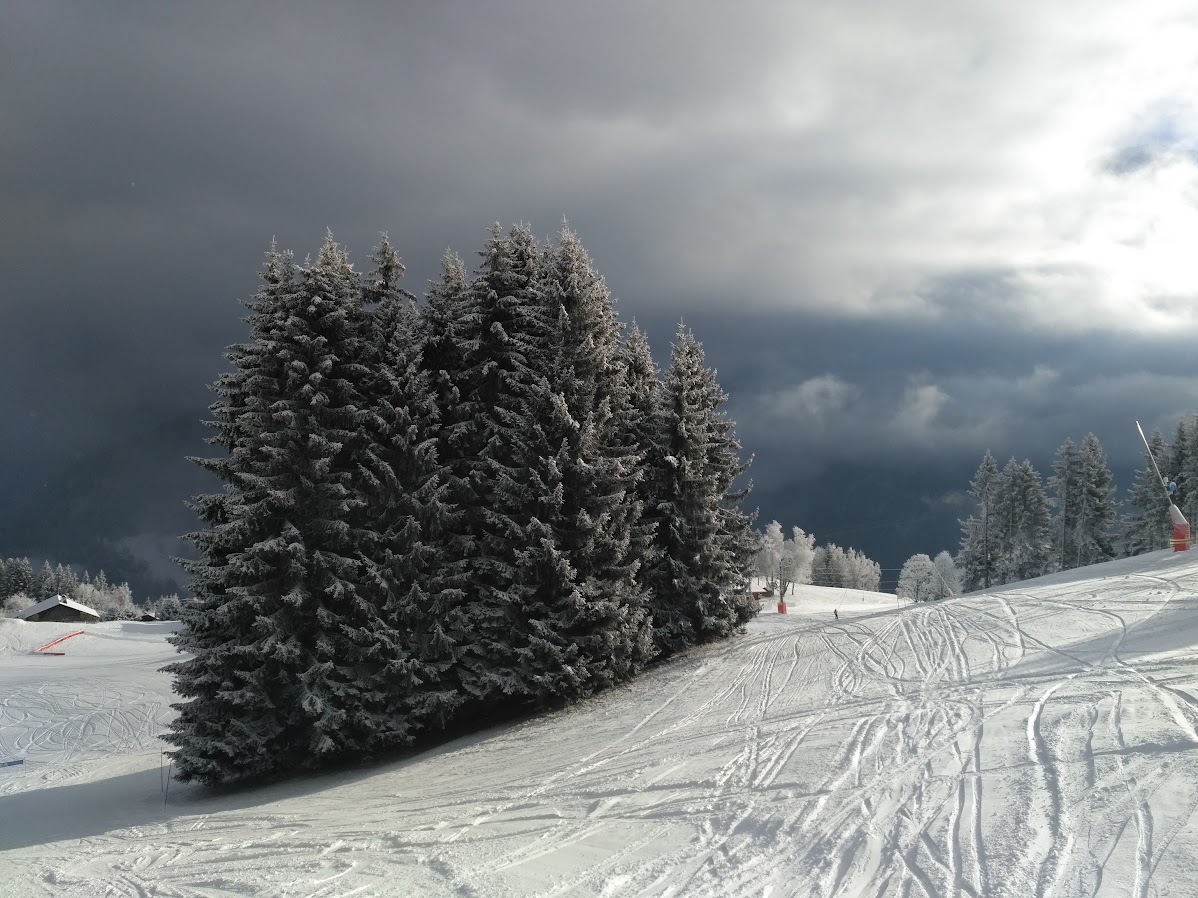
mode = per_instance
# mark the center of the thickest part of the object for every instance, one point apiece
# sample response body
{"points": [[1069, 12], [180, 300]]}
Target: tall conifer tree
{"points": [[1066, 486], [1174, 468], [43, 584], [706, 544], [1024, 536], [978, 539], [1096, 518], [500, 338], [641, 431], [596, 601], [409, 514], [236, 717], [448, 330], [20, 575], [1187, 470], [283, 636]]}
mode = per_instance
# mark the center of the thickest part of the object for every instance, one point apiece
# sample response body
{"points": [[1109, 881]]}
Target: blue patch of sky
{"points": [[1170, 131]]}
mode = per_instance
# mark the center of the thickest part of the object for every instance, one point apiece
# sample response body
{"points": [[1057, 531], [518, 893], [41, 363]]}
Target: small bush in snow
{"points": [[15, 603]]}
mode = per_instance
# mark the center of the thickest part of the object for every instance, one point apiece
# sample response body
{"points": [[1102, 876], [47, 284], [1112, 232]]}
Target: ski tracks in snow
{"points": [[994, 745]]}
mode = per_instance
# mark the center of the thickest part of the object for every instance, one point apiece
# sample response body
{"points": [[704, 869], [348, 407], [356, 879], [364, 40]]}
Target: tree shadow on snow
{"points": [[80, 810], [94, 808]]}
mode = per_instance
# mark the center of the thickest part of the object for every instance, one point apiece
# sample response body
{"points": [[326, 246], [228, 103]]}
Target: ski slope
{"points": [[1038, 740]]}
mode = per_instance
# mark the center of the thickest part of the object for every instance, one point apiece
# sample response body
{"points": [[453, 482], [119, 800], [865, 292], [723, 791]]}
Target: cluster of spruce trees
{"points": [[1021, 531], [442, 510]]}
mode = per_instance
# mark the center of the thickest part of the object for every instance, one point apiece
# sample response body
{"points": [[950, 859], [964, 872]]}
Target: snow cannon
{"points": [[1181, 529]]}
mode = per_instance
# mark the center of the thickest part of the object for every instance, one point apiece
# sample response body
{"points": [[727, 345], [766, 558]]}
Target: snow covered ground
{"points": [[821, 601], [1040, 740]]}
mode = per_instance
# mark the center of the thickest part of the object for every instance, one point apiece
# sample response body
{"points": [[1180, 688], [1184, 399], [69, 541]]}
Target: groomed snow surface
{"points": [[1039, 740]]}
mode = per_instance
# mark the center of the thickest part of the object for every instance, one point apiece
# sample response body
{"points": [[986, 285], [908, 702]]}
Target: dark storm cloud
{"points": [[810, 394], [901, 234], [157, 152]]}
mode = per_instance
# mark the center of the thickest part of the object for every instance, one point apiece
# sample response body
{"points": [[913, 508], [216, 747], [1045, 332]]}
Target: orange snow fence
{"points": [[50, 645]]}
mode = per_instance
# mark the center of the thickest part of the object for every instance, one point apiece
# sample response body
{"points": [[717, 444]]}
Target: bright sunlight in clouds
{"points": [[1087, 245], [1044, 153]]}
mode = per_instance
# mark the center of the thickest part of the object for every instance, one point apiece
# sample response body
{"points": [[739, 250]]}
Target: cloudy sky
{"points": [[904, 232]]}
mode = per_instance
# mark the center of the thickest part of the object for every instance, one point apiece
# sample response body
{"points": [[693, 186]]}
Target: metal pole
{"points": [[1164, 485]]}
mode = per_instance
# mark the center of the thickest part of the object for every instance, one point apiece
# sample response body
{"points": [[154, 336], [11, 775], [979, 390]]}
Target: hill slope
{"points": [[1039, 740]]}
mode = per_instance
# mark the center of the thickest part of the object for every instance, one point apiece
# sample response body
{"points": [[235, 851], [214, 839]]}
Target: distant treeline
{"points": [[1019, 529], [782, 561], [21, 585], [17, 575]]}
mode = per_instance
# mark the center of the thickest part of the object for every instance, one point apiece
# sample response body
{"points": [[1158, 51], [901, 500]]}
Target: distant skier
{"points": [[836, 613]]}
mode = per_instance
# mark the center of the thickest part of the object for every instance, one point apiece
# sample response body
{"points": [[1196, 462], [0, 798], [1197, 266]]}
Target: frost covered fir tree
{"points": [[16, 576], [65, 580], [978, 534], [1083, 497], [1066, 486], [1094, 541], [286, 638], [1187, 466], [1023, 537], [524, 362], [1174, 468], [737, 536], [585, 342], [641, 430], [448, 325], [485, 345], [43, 584], [585, 554], [230, 723], [583, 624], [705, 543], [1148, 527], [20, 576], [410, 511]]}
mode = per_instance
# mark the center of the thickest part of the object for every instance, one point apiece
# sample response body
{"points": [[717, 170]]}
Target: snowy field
{"points": [[1041, 740], [822, 601]]}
